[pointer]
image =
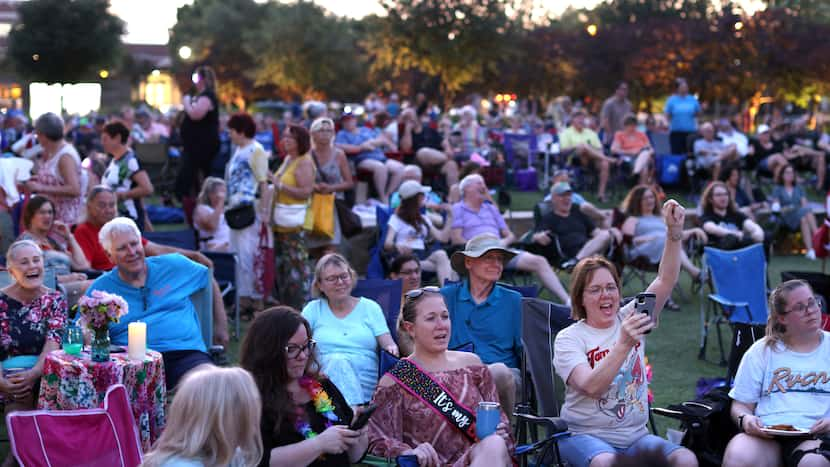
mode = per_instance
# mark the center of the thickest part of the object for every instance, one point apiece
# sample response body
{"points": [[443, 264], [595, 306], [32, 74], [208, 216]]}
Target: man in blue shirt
{"points": [[157, 291], [485, 314]]}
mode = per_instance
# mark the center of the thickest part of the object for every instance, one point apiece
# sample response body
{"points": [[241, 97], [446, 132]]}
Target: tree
{"points": [[307, 52], [215, 31], [456, 41], [63, 41]]}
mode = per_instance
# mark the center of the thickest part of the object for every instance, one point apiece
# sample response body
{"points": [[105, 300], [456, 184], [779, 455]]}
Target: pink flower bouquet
{"points": [[100, 309]]}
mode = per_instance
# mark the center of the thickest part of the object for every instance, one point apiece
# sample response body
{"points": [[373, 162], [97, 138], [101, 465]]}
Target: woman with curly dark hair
{"points": [[304, 417], [409, 231]]}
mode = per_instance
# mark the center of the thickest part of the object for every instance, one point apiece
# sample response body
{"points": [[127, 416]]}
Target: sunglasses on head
{"points": [[417, 293]]}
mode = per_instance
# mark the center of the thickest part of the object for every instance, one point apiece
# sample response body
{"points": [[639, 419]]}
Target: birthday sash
{"points": [[418, 383]]}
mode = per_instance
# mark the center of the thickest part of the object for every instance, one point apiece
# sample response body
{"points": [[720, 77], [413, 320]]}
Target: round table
{"points": [[76, 382]]}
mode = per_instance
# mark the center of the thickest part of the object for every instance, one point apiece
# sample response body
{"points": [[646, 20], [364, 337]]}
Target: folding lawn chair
{"points": [[387, 293], [184, 239], [104, 437], [226, 273], [738, 279], [541, 321]]}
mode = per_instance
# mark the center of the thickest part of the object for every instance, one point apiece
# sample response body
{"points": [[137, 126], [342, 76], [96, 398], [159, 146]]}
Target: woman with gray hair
{"points": [[33, 319], [333, 176], [58, 175], [348, 330]]}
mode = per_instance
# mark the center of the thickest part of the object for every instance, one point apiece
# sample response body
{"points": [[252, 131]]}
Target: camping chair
{"points": [[184, 239], [153, 158], [91, 437], [738, 279], [541, 321], [226, 273], [377, 268], [387, 293], [202, 300]]}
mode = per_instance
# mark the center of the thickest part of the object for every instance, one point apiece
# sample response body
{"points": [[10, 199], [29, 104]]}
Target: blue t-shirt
{"points": [[163, 303], [363, 134], [354, 337], [493, 326], [682, 110], [266, 139]]}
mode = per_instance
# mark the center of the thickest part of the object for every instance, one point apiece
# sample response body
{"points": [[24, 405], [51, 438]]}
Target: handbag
{"points": [[349, 221], [241, 216], [264, 264], [290, 216], [322, 212]]}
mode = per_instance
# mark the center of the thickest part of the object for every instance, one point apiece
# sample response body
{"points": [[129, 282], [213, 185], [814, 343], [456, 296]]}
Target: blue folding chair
{"points": [[738, 279], [387, 293], [226, 273], [376, 268], [184, 239]]}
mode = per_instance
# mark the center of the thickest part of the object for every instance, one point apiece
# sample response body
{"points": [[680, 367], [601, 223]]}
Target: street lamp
{"points": [[185, 52], [104, 74]]}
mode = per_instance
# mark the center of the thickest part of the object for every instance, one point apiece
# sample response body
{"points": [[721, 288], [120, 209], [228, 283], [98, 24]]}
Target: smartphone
{"points": [[363, 418], [644, 303]]}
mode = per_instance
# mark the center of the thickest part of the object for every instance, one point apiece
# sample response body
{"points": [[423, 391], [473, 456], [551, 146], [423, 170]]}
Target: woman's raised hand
{"points": [[674, 215]]}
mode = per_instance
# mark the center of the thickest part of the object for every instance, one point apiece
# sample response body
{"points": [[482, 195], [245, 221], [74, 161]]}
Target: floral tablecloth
{"points": [[76, 382]]}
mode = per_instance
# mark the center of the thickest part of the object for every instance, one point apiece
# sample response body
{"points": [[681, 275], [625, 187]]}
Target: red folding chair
{"points": [[104, 437]]}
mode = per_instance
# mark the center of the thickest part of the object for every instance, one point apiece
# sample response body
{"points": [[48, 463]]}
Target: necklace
{"points": [[322, 404]]}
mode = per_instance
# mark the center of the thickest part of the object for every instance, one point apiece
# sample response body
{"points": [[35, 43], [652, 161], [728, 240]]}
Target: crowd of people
{"points": [[310, 357]]}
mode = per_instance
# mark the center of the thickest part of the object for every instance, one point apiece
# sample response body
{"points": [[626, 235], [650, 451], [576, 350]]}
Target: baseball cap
{"points": [[763, 128], [411, 188], [561, 188]]}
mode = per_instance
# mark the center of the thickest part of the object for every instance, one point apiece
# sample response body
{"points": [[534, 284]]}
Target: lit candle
{"points": [[137, 340]]}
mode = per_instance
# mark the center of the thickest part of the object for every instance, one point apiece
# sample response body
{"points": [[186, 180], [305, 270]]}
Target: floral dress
{"points": [[25, 327], [402, 421], [67, 209]]}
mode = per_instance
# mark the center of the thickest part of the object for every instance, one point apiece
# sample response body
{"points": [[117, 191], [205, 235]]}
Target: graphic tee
{"points": [[619, 417], [789, 388]]}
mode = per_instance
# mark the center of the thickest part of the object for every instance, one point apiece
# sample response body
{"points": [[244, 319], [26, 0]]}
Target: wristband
{"points": [[676, 237]]}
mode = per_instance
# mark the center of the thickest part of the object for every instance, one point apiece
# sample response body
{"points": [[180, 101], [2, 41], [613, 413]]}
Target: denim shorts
{"points": [[579, 450]]}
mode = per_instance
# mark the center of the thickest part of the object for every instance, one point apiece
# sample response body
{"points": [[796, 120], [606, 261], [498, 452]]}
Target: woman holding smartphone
{"points": [[601, 358]]}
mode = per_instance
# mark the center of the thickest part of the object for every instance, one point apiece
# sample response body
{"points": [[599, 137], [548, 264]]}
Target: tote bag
{"points": [[322, 211]]}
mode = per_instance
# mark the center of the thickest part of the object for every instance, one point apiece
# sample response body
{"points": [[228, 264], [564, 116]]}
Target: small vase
{"points": [[100, 346]]}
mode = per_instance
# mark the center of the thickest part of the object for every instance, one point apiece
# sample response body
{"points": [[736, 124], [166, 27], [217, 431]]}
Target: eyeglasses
{"points": [[415, 294], [814, 303], [294, 350], [409, 272], [597, 290], [345, 277]]}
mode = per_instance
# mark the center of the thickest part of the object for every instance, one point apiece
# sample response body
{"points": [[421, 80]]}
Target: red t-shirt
{"points": [[87, 236]]}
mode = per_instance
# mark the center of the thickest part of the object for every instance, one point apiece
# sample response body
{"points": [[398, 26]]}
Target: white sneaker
{"points": [[811, 254]]}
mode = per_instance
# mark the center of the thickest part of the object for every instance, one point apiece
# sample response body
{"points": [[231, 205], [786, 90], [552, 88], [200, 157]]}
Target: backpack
{"points": [[707, 423]]}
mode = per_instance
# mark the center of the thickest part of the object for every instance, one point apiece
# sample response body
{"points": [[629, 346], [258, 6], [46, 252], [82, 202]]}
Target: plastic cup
{"points": [[73, 340], [488, 416], [408, 460]]}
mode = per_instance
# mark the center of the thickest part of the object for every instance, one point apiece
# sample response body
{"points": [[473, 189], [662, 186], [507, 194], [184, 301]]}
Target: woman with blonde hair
{"points": [[209, 216], [347, 329], [212, 422], [781, 387], [333, 176]]}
